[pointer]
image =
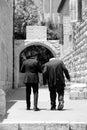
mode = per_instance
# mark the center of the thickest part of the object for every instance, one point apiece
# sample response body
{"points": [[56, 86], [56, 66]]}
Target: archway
{"points": [[43, 55], [20, 45]]}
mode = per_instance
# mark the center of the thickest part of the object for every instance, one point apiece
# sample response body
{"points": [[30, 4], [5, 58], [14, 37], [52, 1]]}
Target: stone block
{"points": [[57, 126], [78, 91], [85, 95], [2, 103], [77, 126], [33, 31], [74, 95], [8, 126], [78, 86], [81, 95], [6, 40], [32, 126]]}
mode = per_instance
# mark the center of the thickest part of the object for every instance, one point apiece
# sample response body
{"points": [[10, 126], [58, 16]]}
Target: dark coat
{"points": [[53, 73], [31, 67]]}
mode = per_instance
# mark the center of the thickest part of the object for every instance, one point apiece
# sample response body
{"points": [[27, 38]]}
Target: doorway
{"points": [[43, 54]]}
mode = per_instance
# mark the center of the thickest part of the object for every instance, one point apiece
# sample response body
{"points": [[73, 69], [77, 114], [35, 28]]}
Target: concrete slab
{"points": [[8, 126], [29, 126], [78, 126], [57, 126]]}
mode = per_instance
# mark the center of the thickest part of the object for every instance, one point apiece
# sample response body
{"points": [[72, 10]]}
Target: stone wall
{"points": [[6, 53], [36, 33], [76, 60], [67, 37]]}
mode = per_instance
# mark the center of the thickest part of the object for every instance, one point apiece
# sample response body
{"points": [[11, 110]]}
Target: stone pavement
{"points": [[73, 115]]}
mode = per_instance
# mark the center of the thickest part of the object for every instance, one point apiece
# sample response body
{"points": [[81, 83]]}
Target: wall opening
{"points": [[43, 54]]}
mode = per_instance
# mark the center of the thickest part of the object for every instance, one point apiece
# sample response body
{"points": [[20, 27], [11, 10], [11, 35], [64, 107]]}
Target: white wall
{"points": [[6, 52]]}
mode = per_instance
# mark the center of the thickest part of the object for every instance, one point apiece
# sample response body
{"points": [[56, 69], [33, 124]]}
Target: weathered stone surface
{"points": [[81, 95], [78, 86], [85, 94], [36, 33], [2, 103], [78, 126], [8, 126], [74, 95], [78, 91], [57, 126], [77, 64], [32, 126], [6, 44]]}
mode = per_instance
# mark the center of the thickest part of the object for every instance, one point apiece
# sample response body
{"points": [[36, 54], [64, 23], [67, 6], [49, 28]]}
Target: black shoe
{"points": [[28, 108], [53, 108], [60, 106], [36, 109]]}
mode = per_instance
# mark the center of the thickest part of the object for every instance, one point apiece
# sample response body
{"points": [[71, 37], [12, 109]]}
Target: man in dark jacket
{"points": [[31, 67], [53, 74]]}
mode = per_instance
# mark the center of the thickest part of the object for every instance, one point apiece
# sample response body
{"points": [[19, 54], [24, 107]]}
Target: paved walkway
{"points": [[74, 110]]}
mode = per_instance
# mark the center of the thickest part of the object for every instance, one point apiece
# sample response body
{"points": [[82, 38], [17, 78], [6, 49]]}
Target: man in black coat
{"points": [[31, 67], [53, 74]]}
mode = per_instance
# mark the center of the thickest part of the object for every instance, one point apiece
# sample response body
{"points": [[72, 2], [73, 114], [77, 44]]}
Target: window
{"points": [[75, 10], [84, 5]]}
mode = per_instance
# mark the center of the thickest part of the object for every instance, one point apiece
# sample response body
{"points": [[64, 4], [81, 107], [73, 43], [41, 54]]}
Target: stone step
{"points": [[73, 117], [78, 91], [45, 126]]}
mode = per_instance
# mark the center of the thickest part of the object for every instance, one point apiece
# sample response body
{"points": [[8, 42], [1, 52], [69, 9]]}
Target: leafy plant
{"points": [[26, 13], [52, 31]]}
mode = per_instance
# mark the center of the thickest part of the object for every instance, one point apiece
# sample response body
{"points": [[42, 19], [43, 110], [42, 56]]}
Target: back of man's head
{"points": [[28, 56], [53, 58], [34, 57]]}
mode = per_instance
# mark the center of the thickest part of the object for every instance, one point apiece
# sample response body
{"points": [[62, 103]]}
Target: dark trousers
{"points": [[53, 97], [34, 86], [60, 93], [54, 90]]}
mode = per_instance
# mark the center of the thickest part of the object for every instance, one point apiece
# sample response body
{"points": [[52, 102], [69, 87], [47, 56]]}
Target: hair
{"points": [[28, 56], [34, 56], [53, 58]]}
